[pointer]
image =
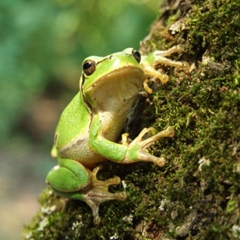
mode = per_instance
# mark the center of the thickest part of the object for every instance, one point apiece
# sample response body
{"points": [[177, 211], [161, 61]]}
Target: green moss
{"points": [[196, 195], [47, 224]]}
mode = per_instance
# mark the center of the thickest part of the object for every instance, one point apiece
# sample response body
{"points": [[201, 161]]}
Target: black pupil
{"points": [[137, 55], [87, 65]]}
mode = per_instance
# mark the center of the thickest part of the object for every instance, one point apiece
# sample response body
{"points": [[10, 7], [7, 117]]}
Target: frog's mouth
{"points": [[118, 87]]}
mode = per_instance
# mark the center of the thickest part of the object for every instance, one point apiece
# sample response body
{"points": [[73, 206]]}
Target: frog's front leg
{"points": [[160, 57], [72, 180], [125, 153], [142, 145]]}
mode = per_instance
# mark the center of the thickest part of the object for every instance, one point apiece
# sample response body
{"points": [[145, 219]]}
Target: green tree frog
{"points": [[90, 125]]}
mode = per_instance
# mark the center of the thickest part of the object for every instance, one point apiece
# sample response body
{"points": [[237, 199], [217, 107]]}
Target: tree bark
{"points": [[197, 194]]}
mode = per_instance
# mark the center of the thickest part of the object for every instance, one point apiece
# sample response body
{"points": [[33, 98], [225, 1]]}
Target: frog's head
{"points": [[117, 78]]}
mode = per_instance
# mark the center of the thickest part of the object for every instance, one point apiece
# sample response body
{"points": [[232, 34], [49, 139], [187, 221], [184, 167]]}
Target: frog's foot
{"points": [[98, 192], [160, 57], [137, 148]]}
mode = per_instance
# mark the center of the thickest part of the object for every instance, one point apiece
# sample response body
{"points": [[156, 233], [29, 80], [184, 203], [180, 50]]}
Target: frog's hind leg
{"points": [[72, 180]]}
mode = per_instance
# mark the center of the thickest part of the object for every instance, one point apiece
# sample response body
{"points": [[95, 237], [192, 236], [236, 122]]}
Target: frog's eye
{"points": [[137, 55], [89, 67]]}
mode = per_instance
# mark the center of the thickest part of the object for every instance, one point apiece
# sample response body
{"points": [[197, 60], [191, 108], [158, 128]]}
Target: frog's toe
{"points": [[147, 157], [160, 161], [98, 193], [168, 132], [142, 154], [93, 203]]}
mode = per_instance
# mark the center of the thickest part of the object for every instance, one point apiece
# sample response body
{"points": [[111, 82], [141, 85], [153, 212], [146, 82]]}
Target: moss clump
{"points": [[47, 224], [196, 195]]}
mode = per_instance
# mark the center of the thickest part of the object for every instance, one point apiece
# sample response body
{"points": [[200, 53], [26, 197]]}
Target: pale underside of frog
{"points": [[89, 127]]}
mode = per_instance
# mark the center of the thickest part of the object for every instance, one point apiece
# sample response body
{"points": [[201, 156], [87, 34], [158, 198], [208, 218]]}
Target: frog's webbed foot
{"points": [[137, 148], [98, 192]]}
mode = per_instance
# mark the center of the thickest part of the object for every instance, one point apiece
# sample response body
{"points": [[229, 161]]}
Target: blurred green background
{"points": [[42, 45]]}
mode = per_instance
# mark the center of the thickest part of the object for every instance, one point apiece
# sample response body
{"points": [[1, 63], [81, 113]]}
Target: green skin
{"points": [[92, 122]]}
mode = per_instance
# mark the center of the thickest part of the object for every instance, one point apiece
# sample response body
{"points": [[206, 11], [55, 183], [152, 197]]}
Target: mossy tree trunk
{"points": [[197, 194]]}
